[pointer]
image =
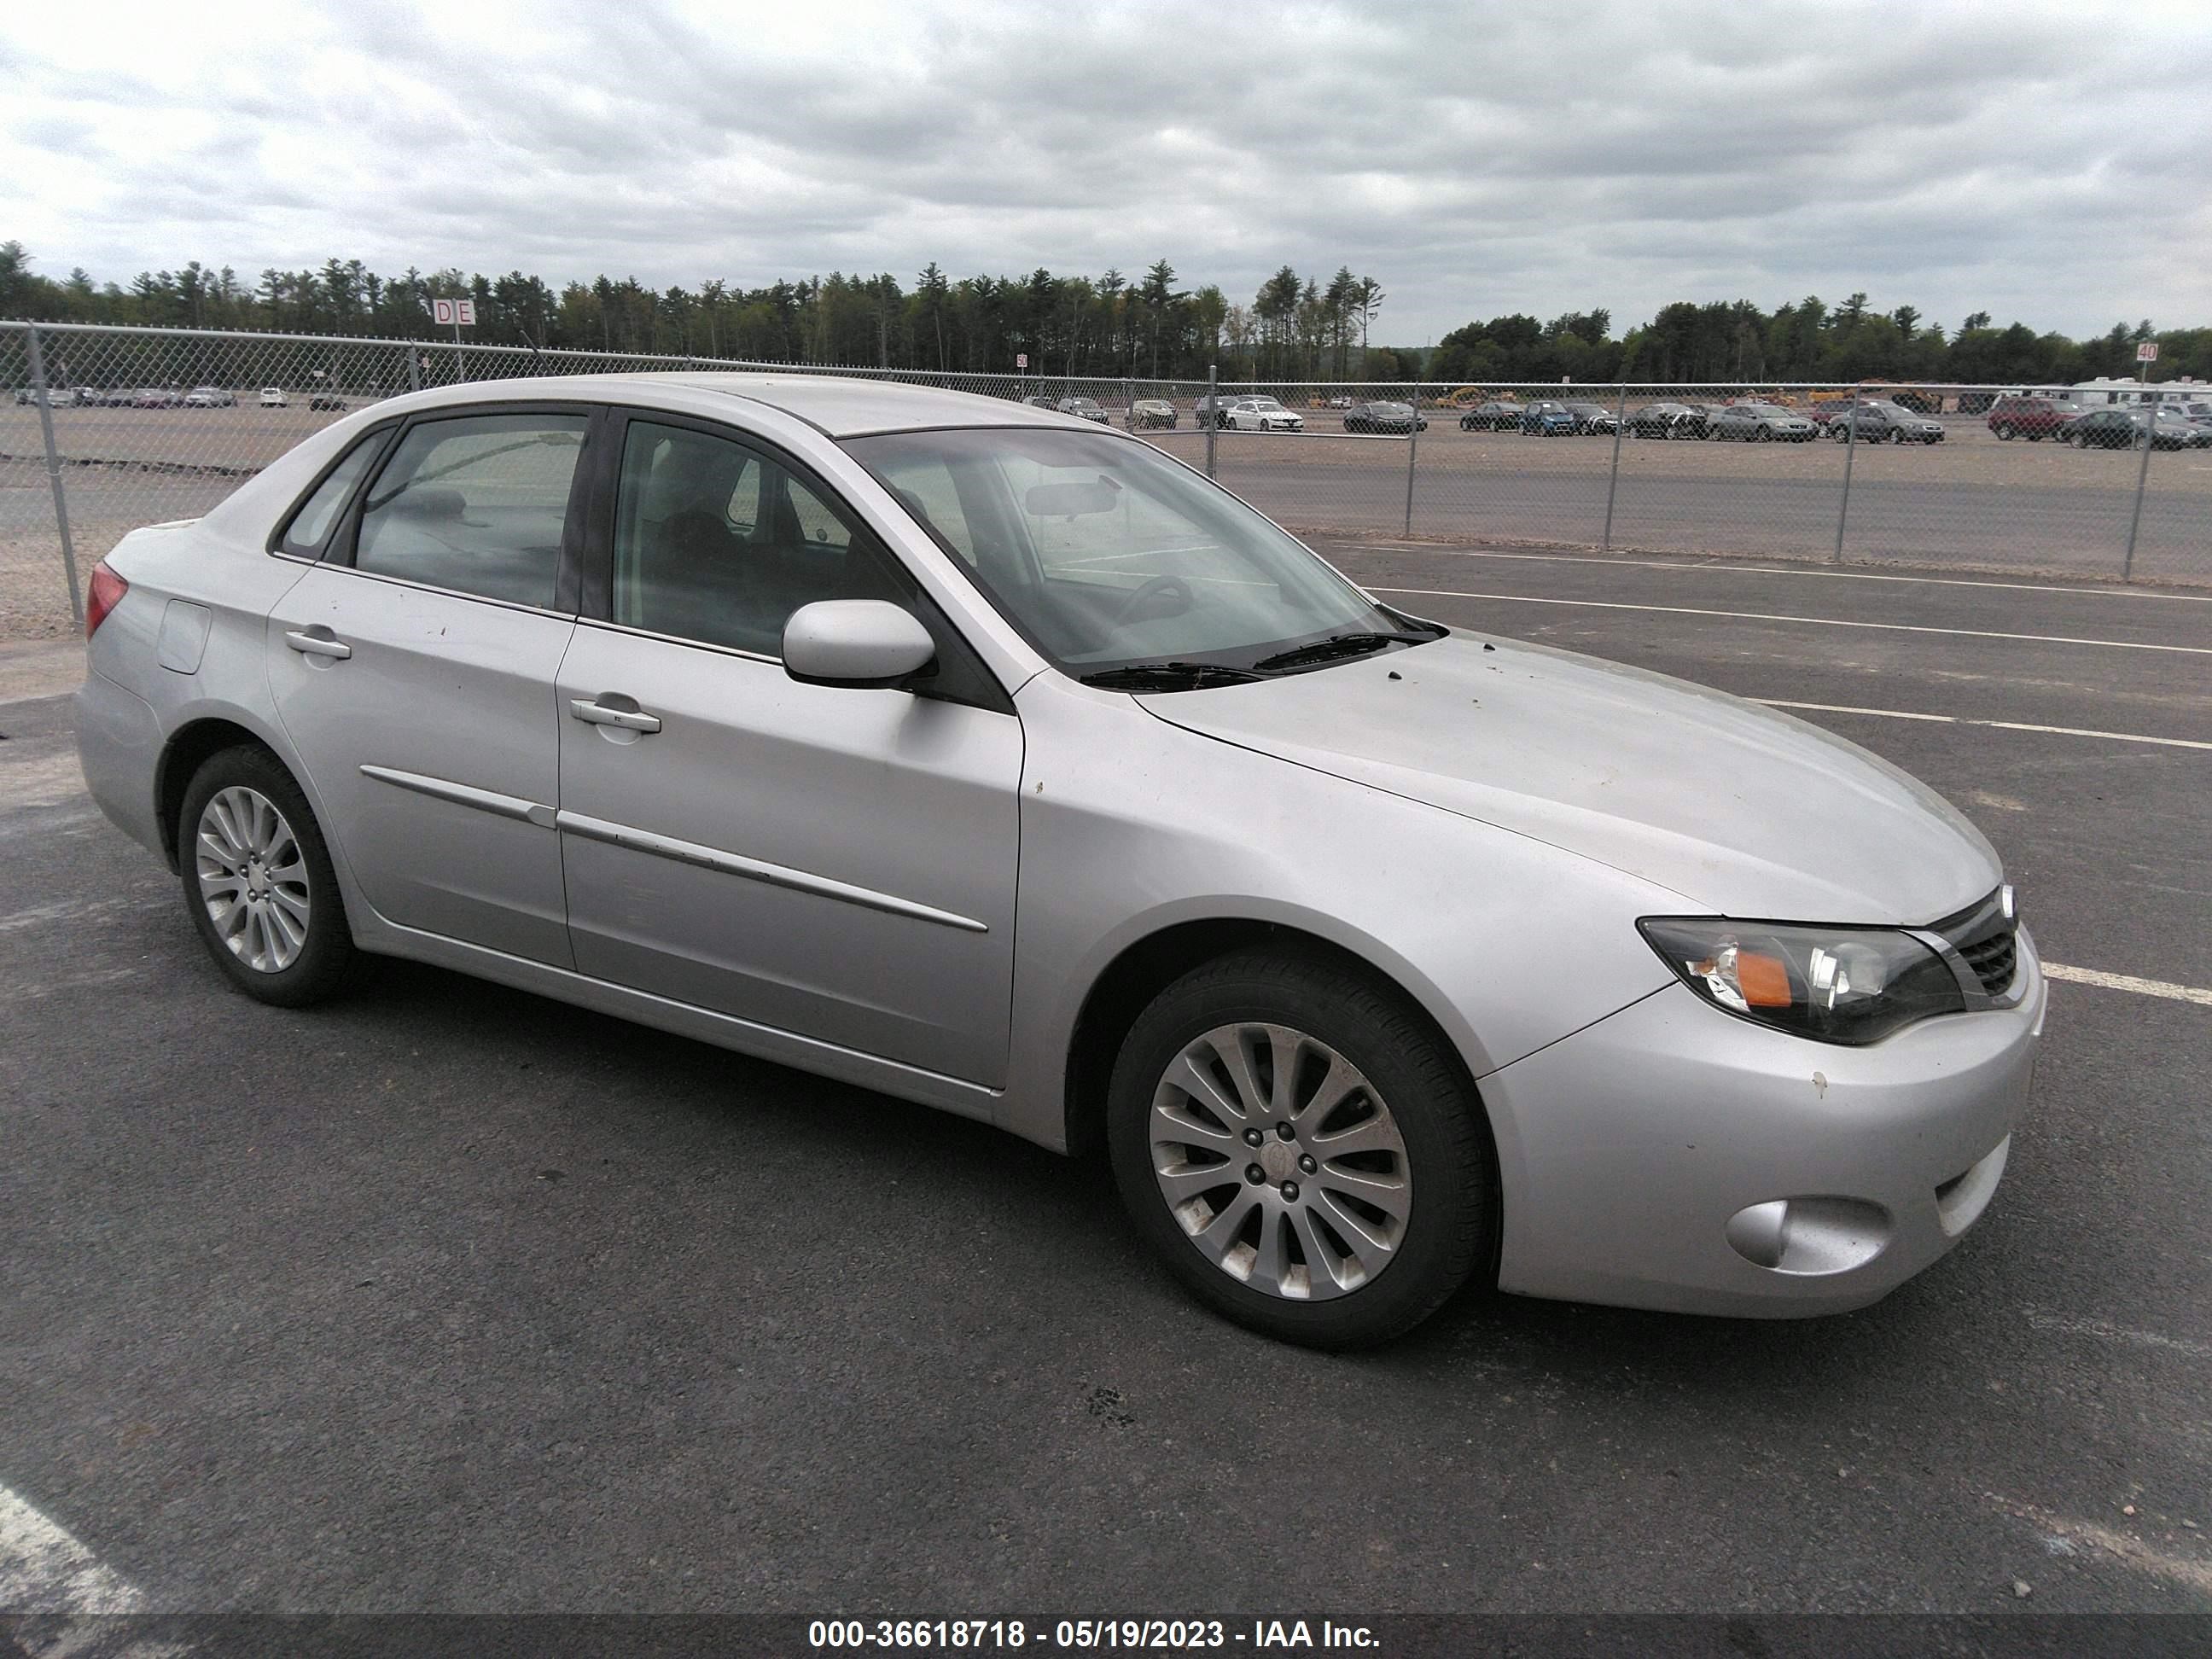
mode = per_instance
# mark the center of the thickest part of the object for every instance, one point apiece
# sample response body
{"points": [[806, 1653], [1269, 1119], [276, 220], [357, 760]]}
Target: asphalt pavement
{"points": [[446, 1296]]}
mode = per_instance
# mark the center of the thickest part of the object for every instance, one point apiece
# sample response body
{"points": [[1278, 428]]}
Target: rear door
{"points": [[414, 666], [830, 862]]}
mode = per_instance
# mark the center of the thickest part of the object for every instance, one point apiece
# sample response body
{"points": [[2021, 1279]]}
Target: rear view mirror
{"points": [[1072, 501], [854, 643]]}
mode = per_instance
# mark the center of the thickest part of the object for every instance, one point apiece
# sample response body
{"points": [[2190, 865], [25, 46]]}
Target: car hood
{"points": [[1740, 809]]}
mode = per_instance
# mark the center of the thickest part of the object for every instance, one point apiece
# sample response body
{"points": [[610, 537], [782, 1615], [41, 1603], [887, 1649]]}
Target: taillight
{"points": [[107, 592]]}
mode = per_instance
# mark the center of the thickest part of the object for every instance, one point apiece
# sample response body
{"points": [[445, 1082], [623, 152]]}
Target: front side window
{"points": [[476, 504], [717, 541], [1103, 553]]}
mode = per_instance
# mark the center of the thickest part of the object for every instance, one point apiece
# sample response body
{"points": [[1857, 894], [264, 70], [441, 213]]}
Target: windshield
{"points": [[1102, 552]]}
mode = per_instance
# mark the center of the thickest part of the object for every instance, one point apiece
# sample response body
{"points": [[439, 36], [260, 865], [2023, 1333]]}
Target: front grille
{"points": [[1983, 935]]}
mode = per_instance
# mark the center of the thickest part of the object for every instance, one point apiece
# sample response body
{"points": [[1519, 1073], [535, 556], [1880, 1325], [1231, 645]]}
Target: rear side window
{"points": [[310, 528], [476, 504]]}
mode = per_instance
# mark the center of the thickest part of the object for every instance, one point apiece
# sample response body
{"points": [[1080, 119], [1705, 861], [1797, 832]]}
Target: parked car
{"points": [[2129, 426], [116, 396], [2196, 414], [1884, 422], [1087, 408], [1152, 411], [155, 397], [1384, 417], [1212, 408], [54, 396], [1593, 418], [1499, 414], [210, 397], [1760, 423], [1547, 419], [1262, 415], [272, 397], [1667, 419], [327, 402], [2029, 418], [735, 748]]}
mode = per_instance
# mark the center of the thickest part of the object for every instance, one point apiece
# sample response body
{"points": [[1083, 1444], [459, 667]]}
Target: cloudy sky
{"points": [[2052, 162]]}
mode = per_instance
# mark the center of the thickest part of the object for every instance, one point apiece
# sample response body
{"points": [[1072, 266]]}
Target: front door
{"points": [[414, 670], [834, 862]]}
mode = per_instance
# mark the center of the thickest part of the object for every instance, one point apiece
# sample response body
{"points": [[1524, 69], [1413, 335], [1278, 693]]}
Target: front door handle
{"points": [[599, 713], [317, 642]]}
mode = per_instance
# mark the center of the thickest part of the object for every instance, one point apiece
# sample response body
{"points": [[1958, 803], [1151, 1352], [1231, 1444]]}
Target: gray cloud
{"points": [[2048, 161]]}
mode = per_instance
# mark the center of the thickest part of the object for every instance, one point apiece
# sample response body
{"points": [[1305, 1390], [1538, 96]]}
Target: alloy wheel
{"points": [[253, 878], [1281, 1162]]}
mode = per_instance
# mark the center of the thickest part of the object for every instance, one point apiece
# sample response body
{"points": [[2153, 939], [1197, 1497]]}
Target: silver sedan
{"points": [[1008, 765]]}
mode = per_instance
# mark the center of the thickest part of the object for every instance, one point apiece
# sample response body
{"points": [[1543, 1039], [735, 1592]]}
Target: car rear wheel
{"points": [[1301, 1150], [258, 882]]}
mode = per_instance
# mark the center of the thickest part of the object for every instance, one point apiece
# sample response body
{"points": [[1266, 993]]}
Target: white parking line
{"points": [[1961, 720], [2141, 988], [44, 1569], [2103, 1330], [1731, 567], [1815, 622]]}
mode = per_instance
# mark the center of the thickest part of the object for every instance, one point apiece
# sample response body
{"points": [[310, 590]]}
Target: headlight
{"points": [[1851, 985]]}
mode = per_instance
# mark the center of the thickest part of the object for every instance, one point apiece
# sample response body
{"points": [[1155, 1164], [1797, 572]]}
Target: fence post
{"points": [[44, 397], [1128, 405], [2142, 477], [414, 369], [1213, 392], [1613, 484], [1851, 447], [1413, 449]]}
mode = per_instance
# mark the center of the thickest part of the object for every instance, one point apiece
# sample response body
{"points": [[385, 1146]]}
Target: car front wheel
{"points": [[1301, 1150], [258, 882], [2005, 431]]}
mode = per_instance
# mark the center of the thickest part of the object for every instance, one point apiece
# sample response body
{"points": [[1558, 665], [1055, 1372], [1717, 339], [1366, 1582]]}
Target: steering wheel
{"points": [[1149, 590]]}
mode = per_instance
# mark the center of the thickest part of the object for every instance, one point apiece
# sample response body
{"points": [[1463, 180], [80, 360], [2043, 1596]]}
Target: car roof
{"points": [[838, 406]]}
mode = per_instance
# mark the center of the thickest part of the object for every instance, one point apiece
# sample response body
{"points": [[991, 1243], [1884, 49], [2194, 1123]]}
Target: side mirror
{"points": [[856, 642]]}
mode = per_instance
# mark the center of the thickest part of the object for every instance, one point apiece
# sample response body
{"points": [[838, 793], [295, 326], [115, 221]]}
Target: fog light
{"points": [[1810, 1235]]}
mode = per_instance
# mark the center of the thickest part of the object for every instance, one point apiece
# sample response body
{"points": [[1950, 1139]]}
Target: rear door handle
{"points": [[598, 713], [317, 642]]}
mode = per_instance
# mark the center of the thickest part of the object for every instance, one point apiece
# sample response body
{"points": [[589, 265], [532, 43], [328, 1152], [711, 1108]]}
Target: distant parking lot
{"points": [[446, 1296]]}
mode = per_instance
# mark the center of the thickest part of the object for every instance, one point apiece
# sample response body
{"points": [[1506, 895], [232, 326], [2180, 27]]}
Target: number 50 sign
{"points": [[453, 314]]}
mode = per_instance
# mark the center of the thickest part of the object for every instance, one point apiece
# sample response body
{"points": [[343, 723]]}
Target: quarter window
{"points": [[716, 541], [311, 525], [476, 504]]}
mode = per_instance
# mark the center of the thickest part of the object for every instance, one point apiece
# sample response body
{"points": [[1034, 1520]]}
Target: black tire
{"points": [[327, 959], [1766, 434], [2034, 437], [1451, 1229], [2005, 430]]}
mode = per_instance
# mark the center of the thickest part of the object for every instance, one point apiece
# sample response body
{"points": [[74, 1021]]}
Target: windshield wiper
{"points": [[1339, 645], [1167, 677]]}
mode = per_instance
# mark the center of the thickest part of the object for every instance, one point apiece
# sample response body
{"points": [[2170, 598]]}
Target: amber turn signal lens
{"points": [[1765, 979]]}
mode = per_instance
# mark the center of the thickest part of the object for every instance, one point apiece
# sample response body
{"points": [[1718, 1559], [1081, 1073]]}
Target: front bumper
{"points": [[1645, 1157]]}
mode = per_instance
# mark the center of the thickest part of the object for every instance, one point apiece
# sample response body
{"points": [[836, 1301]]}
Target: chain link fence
{"points": [[103, 429]]}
